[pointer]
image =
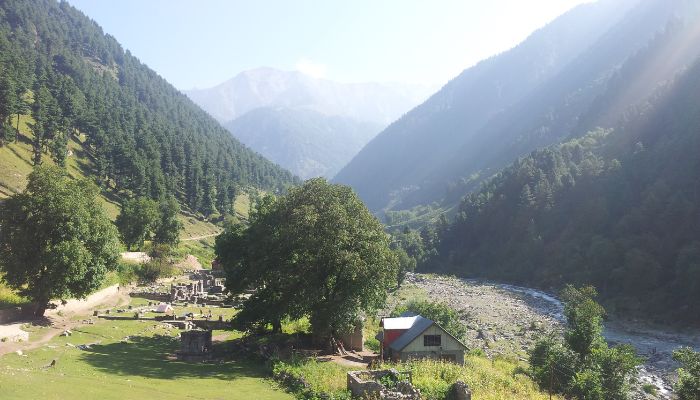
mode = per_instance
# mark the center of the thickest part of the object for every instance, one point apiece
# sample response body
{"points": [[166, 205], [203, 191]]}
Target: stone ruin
{"points": [[205, 288], [371, 385], [368, 385], [195, 346]]}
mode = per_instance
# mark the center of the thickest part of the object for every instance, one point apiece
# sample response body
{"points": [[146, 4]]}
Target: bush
{"points": [[311, 379], [154, 270], [649, 389], [372, 344], [161, 251], [688, 386], [441, 313]]}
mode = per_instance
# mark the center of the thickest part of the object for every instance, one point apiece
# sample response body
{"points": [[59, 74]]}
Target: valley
{"points": [[342, 224]]}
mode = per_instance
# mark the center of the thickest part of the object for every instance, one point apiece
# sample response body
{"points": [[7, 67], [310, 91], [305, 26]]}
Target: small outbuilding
{"points": [[195, 345], [415, 337]]}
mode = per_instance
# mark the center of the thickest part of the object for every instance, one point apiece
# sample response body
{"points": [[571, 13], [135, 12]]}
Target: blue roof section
{"points": [[419, 326]]}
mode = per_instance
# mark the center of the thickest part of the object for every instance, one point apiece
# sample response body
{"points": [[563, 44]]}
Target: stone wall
{"points": [[16, 314], [366, 384]]}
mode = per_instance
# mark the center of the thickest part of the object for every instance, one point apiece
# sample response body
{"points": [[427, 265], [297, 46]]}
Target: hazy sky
{"points": [[200, 43]]}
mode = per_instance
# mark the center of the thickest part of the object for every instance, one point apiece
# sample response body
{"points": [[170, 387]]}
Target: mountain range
{"points": [[310, 126], [534, 95], [616, 207]]}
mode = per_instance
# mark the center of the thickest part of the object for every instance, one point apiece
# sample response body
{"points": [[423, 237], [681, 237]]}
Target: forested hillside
{"points": [[305, 142], [534, 95], [617, 208], [75, 84]]}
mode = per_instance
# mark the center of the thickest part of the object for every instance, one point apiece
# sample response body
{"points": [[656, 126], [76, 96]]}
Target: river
{"points": [[508, 319]]}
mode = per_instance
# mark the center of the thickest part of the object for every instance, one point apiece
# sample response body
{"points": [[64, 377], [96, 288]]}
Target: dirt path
{"points": [[61, 318], [137, 256], [201, 237]]}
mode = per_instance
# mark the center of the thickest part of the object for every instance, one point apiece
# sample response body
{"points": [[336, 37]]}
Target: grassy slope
{"points": [[136, 369], [16, 165]]}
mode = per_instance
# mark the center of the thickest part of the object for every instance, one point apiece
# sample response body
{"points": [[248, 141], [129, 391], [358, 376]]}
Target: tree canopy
{"points": [[55, 239], [582, 366], [137, 220], [316, 252], [442, 313]]}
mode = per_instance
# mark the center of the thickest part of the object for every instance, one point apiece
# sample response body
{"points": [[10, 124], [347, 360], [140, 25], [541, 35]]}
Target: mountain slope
{"points": [[615, 208], [140, 135], [268, 87], [305, 142], [531, 96]]}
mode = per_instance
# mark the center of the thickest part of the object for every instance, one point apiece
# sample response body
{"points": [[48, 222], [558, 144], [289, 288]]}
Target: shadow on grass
{"points": [[149, 357]]}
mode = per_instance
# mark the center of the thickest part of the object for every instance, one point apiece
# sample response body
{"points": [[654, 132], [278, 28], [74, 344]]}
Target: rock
{"points": [[19, 352], [460, 391]]}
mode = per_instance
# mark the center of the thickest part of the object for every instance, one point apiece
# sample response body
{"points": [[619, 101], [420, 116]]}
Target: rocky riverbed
{"points": [[507, 320]]}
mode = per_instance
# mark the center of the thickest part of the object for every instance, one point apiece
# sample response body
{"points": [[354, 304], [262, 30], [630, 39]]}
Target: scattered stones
{"points": [[461, 391]]}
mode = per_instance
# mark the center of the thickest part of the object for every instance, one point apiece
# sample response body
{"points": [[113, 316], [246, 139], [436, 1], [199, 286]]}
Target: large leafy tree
{"points": [[316, 252], [138, 218], [55, 239], [167, 230], [582, 366]]}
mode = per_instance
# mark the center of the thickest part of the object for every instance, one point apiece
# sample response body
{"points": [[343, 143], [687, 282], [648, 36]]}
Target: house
{"points": [[410, 337]]}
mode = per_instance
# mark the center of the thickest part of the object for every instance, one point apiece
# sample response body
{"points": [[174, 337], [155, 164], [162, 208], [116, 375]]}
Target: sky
{"points": [[201, 43]]}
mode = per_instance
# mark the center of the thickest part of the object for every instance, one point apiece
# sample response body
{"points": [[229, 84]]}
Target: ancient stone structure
{"points": [[367, 384], [460, 391], [195, 345], [205, 289]]}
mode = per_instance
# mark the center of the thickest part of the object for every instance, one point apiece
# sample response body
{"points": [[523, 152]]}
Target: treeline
{"points": [[618, 209], [144, 136]]}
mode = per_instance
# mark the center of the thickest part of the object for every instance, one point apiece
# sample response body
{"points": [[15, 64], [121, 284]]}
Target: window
{"points": [[432, 340]]}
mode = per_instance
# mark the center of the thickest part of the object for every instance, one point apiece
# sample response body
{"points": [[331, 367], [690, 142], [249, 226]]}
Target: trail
{"points": [[60, 319], [201, 237]]}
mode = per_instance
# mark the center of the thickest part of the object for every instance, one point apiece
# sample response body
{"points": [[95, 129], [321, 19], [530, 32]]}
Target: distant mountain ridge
{"points": [[303, 141], [532, 96], [310, 126], [268, 87]]}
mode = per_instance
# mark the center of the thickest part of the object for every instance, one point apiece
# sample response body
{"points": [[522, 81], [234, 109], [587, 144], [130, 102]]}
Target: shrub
{"points": [[688, 386], [154, 270], [441, 313], [649, 389]]}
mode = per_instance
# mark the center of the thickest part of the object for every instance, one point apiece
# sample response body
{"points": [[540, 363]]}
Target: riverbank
{"points": [[507, 320]]}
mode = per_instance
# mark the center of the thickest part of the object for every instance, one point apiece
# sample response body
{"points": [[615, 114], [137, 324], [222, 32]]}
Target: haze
{"points": [[200, 44]]}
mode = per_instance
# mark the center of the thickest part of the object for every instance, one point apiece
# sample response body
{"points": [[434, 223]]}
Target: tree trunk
{"points": [[41, 306], [277, 326]]}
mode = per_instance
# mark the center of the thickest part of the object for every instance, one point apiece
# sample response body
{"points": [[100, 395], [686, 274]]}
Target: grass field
{"points": [[137, 368]]}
